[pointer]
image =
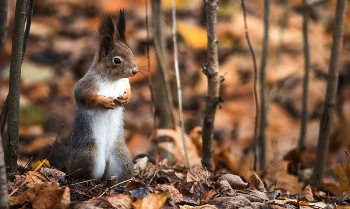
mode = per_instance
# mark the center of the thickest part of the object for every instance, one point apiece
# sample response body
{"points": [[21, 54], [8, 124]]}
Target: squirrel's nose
{"points": [[134, 71]]}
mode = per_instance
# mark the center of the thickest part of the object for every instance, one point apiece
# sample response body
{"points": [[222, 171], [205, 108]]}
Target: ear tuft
{"points": [[106, 26], [121, 26], [106, 32]]}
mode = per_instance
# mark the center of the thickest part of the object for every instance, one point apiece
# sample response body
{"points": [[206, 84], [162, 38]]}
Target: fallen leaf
{"points": [[43, 196], [144, 168], [198, 207], [100, 202], [256, 183], [307, 193], [229, 202], [178, 150], [198, 174], [121, 201], [175, 195], [35, 176], [235, 181], [209, 196], [342, 171], [169, 175], [152, 201]]}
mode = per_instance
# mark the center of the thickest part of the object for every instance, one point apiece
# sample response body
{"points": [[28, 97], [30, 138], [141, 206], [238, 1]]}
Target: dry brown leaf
{"points": [[235, 181], [152, 201], [43, 196], [256, 183], [169, 175], [224, 187], [197, 174], [100, 202], [283, 179], [229, 202], [198, 207], [35, 176], [307, 193], [175, 195], [144, 168], [209, 195], [178, 150], [342, 171], [121, 201]]}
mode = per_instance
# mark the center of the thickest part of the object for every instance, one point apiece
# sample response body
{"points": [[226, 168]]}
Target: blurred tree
{"points": [[303, 124], [263, 110], [3, 23], [163, 99], [329, 102], [4, 201], [212, 73], [14, 83]]}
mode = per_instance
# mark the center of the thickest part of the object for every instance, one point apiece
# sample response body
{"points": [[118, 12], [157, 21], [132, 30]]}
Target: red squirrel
{"points": [[98, 148]]}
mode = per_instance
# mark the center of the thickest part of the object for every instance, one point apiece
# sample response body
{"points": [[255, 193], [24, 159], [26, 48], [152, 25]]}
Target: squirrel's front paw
{"points": [[106, 103], [124, 99], [121, 101]]}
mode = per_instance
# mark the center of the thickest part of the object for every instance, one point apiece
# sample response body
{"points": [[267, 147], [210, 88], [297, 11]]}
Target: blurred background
{"points": [[63, 41]]}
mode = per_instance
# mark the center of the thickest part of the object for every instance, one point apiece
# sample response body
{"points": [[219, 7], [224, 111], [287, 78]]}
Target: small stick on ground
{"points": [[255, 85]]}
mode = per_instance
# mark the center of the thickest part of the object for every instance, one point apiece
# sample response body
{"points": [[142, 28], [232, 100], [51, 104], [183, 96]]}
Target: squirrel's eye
{"points": [[117, 61]]}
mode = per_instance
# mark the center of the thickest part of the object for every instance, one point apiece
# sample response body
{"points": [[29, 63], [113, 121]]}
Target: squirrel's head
{"points": [[114, 56]]}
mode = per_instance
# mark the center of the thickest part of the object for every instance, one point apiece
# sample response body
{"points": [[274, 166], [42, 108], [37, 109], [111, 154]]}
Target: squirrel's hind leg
{"points": [[82, 163]]}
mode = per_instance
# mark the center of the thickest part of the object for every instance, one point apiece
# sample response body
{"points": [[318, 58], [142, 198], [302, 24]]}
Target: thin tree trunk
{"points": [[212, 73], [263, 119], [255, 84], [15, 77], [4, 200], [3, 23], [163, 98], [329, 104], [303, 125], [178, 83]]}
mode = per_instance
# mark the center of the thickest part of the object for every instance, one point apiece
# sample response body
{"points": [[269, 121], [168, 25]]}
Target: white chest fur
{"points": [[107, 128]]}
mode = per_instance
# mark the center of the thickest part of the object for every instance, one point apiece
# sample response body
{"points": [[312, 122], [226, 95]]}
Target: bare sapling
{"points": [[329, 102]]}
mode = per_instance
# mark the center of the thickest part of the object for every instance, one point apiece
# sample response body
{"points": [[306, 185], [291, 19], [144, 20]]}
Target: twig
{"points": [[117, 185], [29, 23], [179, 91], [255, 85], [82, 182]]}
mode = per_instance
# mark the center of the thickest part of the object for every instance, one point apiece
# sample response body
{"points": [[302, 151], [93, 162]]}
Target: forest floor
{"points": [[61, 47]]}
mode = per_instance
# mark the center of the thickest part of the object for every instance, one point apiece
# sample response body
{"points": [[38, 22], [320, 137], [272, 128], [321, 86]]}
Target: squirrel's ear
{"points": [[106, 32], [121, 26]]}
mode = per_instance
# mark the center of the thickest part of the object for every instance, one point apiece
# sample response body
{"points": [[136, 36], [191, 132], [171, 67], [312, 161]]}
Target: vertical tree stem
{"points": [[213, 83], [3, 23], [303, 125], [29, 23], [263, 118], [178, 83], [255, 84], [15, 77], [4, 200], [329, 102]]}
